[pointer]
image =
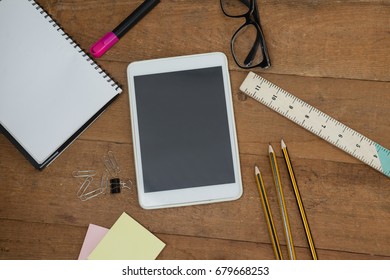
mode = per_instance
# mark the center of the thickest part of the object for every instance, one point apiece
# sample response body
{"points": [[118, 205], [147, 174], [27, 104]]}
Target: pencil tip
{"points": [[257, 171], [270, 149], [283, 144]]}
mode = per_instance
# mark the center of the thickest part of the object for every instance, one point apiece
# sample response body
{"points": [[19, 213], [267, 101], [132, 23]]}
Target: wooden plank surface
{"points": [[335, 55]]}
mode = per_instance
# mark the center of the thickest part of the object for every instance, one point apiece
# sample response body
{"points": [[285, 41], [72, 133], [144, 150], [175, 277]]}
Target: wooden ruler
{"points": [[317, 122]]}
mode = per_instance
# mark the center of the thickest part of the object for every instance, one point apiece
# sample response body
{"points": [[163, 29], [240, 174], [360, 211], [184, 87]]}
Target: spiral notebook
{"points": [[50, 89]]}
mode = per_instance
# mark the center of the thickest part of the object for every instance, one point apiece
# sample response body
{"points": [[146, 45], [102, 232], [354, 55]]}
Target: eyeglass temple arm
{"points": [[249, 59]]}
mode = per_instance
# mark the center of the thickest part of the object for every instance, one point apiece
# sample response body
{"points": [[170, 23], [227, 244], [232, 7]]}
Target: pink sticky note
{"points": [[94, 235]]}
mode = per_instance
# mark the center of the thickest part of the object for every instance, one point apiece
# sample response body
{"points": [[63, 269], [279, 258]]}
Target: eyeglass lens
{"points": [[235, 7], [245, 46], [248, 46]]}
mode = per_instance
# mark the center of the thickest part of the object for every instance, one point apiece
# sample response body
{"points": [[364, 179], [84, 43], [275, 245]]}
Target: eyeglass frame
{"points": [[253, 11]]}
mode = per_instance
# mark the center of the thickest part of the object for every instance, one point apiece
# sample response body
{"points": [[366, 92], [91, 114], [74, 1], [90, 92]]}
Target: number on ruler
{"points": [[320, 124]]}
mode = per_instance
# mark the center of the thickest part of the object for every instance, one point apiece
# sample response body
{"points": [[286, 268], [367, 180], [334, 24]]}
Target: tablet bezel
{"points": [[193, 195]]}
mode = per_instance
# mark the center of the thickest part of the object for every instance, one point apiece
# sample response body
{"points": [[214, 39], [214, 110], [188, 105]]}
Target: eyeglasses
{"points": [[248, 43]]}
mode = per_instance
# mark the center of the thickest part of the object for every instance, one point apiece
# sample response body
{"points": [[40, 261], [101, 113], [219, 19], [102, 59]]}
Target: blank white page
{"points": [[48, 88]]}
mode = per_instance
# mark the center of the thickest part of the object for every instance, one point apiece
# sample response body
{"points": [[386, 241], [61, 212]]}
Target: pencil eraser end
{"points": [[104, 44]]}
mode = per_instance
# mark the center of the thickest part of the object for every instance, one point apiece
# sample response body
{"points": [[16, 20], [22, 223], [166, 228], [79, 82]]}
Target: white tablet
{"points": [[184, 135]]}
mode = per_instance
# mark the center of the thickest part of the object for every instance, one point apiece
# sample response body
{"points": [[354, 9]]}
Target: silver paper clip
{"points": [[111, 164], [84, 173], [114, 162], [91, 194], [104, 182], [84, 196], [109, 181], [84, 186]]}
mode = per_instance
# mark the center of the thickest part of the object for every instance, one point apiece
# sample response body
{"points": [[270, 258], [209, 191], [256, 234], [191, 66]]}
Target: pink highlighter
{"points": [[110, 39]]}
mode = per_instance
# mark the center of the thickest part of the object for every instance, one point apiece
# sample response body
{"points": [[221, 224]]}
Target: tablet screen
{"points": [[183, 129]]}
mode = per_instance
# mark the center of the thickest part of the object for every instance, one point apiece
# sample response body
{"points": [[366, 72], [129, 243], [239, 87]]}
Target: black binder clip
{"points": [[116, 185]]}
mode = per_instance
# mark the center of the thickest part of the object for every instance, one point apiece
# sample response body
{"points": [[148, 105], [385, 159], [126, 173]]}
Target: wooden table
{"points": [[335, 55]]}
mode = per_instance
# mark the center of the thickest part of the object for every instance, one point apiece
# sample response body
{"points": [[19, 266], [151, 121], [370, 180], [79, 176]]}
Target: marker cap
{"points": [[104, 44]]}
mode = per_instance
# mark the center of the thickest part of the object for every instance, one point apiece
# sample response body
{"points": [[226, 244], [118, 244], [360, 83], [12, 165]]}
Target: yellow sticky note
{"points": [[127, 240]]}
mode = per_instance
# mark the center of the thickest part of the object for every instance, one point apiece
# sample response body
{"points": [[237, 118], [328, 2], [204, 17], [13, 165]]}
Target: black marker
{"points": [[108, 40]]}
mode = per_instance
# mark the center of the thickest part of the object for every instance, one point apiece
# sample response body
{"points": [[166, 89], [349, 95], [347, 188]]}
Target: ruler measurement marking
{"points": [[318, 122]]}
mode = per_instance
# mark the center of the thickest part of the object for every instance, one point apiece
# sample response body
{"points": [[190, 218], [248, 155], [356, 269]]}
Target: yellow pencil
{"points": [[282, 204], [299, 200], [268, 215]]}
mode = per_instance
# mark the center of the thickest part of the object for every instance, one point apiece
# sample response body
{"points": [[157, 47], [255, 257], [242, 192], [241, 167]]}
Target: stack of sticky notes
{"points": [[126, 240]]}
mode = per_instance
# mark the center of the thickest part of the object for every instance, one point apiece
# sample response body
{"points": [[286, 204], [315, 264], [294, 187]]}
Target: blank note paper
{"points": [[127, 240], [93, 237]]}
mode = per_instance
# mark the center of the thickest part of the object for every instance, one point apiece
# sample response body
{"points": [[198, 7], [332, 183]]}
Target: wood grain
{"points": [[342, 39], [332, 54]]}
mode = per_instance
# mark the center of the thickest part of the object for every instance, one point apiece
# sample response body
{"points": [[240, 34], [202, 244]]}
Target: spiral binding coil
{"points": [[75, 45]]}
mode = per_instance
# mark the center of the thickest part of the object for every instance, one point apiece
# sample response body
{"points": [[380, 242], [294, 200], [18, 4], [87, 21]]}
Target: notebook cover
{"points": [[61, 149]]}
